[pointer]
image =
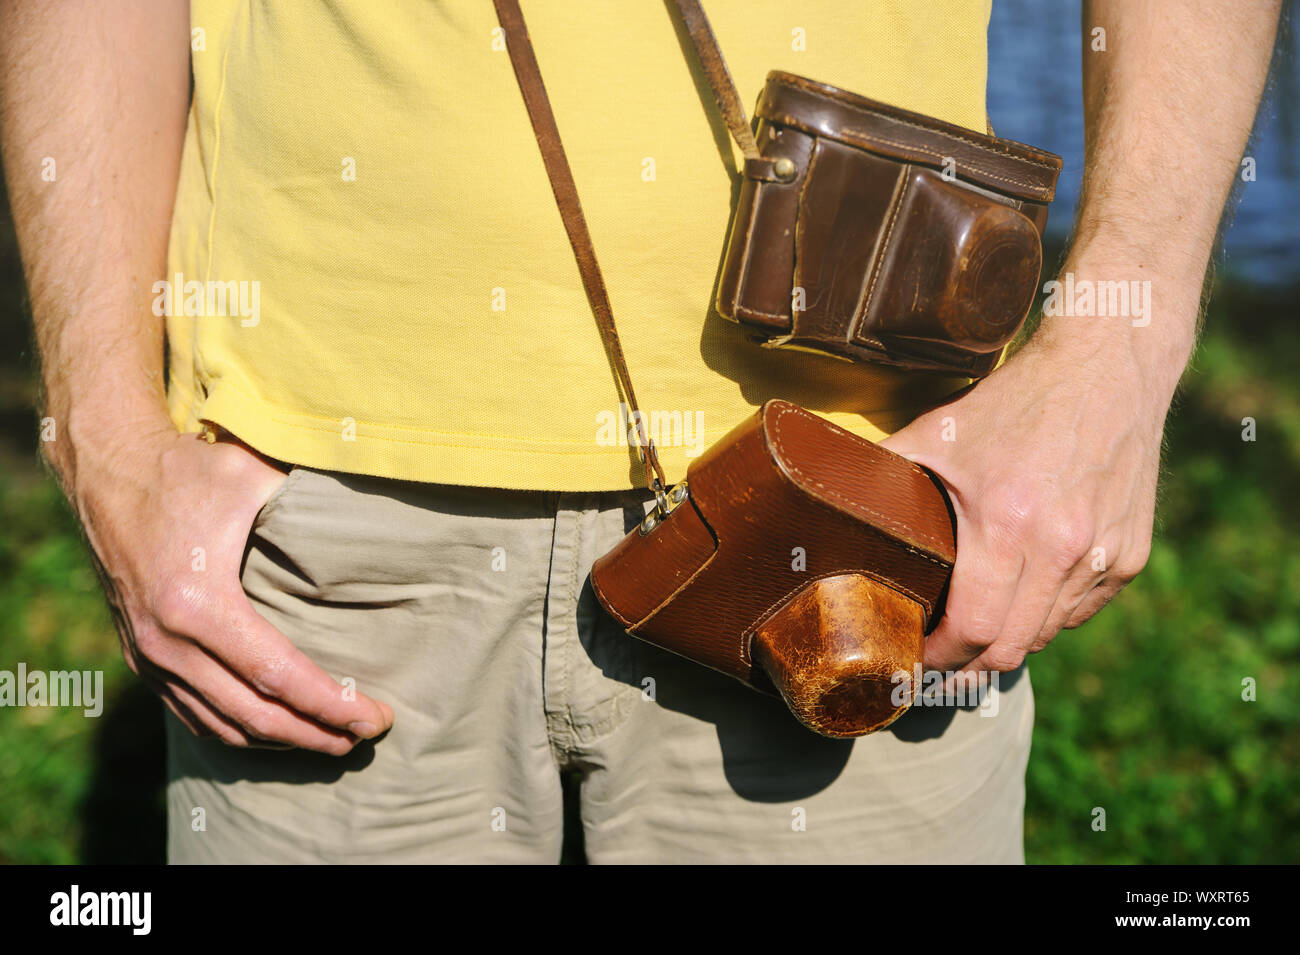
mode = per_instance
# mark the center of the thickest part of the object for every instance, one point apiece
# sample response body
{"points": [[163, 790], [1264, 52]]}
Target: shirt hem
{"points": [[410, 454]]}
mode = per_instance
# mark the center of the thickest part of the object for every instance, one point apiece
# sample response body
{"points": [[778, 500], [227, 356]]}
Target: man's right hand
{"points": [[193, 633], [93, 240]]}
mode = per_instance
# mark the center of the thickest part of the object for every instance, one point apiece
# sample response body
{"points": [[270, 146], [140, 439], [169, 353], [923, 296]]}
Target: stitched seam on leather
{"points": [[887, 521], [867, 140], [755, 311], [742, 280], [605, 603], [926, 605], [891, 523], [800, 231], [699, 570], [871, 137], [717, 547], [977, 144], [900, 192]]}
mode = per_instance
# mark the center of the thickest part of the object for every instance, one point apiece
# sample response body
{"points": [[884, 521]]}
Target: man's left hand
{"points": [[1051, 464]]}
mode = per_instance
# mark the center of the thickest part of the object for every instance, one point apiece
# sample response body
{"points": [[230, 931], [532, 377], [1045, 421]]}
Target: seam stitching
{"points": [[889, 522]]}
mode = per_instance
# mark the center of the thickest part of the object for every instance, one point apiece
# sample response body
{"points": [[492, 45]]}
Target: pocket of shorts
{"points": [[276, 497]]}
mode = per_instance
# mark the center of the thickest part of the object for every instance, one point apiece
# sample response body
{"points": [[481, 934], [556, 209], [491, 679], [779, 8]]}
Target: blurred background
{"points": [[1140, 712]]}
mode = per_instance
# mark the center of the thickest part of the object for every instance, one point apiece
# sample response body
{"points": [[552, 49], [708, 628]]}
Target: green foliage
{"points": [[1141, 711], [54, 619]]}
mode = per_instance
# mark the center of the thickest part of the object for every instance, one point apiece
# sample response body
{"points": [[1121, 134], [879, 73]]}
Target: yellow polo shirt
{"points": [[368, 273]]}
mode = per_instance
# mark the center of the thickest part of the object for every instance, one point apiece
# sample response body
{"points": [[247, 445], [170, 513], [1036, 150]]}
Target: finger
{"points": [[231, 709], [265, 659], [212, 723], [194, 714], [258, 716], [1034, 601], [1080, 584], [1128, 563], [980, 596], [1091, 602], [181, 712], [200, 719], [211, 716]]}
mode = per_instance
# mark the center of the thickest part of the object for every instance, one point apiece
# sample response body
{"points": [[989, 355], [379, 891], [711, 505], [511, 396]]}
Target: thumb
{"points": [[922, 443], [922, 439], [911, 441]]}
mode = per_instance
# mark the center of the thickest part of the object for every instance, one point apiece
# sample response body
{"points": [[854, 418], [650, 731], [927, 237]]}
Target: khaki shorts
{"points": [[469, 611]]}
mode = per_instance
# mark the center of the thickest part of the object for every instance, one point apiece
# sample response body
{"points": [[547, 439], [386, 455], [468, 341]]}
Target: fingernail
{"points": [[363, 729]]}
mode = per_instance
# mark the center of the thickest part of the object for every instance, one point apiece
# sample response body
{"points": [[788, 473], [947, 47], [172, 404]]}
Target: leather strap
{"points": [[724, 88], [538, 104]]}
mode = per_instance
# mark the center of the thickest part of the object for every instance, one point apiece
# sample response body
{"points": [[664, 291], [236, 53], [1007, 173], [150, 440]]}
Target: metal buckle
{"points": [[661, 499], [665, 503]]}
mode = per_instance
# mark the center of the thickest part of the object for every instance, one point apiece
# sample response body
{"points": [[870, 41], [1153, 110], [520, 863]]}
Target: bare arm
{"points": [[93, 100], [1053, 470], [1168, 109], [94, 95]]}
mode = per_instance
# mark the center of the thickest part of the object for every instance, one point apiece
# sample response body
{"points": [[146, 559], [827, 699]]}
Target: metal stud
{"points": [[784, 169]]}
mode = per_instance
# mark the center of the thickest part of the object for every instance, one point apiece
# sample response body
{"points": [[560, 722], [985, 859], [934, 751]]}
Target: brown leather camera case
{"points": [[798, 558], [885, 235]]}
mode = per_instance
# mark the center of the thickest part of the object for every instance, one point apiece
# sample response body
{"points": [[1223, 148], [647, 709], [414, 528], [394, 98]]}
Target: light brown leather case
{"points": [[895, 238], [799, 559]]}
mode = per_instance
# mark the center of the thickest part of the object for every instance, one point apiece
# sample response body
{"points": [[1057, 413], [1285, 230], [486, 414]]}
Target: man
{"points": [[407, 610]]}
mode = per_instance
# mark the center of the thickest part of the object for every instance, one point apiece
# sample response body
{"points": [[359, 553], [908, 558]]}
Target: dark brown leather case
{"points": [[895, 238], [799, 559]]}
